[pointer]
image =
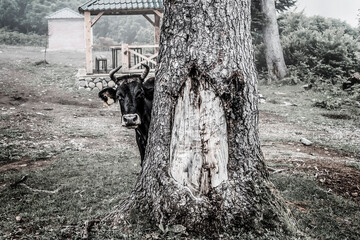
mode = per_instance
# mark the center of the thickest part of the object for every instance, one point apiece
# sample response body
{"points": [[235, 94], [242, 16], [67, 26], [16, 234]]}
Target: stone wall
{"points": [[95, 83]]}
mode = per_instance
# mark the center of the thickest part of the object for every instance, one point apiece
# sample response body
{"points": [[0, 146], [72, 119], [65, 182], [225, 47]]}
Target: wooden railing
{"points": [[132, 56]]}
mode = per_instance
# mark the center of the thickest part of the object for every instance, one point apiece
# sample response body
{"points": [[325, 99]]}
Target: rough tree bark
{"points": [[273, 51], [204, 168]]}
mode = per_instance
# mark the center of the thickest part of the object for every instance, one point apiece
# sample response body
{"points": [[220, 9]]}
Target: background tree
{"points": [[257, 18], [204, 168], [319, 50], [273, 51], [9, 15], [29, 16], [269, 55]]}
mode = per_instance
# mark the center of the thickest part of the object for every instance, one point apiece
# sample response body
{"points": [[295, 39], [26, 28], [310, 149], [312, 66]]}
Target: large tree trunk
{"points": [[273, 51], [203, 167]]}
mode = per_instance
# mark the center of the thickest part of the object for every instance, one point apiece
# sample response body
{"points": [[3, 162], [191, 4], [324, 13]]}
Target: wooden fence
{"points": [[132, 56]]}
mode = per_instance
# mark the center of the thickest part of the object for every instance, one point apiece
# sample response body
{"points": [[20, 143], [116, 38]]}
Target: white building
{"points": [[66, 30]]}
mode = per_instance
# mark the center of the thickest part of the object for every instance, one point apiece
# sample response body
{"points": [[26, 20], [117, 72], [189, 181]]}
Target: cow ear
{"points": [[148, 86], [108, 95]]}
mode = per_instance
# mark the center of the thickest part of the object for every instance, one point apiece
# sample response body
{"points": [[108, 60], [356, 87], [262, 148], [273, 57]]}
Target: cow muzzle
{"points": [[131, 120]]}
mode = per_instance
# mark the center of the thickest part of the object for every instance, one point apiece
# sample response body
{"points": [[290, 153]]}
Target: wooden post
{"points": [[88, 43], [125, 56], [96, 18], [149, 19], [157, 31]]}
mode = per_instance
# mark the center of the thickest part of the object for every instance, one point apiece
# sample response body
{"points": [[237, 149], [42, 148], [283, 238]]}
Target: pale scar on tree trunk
{"points": [[199, 143]]}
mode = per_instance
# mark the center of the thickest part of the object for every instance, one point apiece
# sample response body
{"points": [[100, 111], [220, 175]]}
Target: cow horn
{"points": [[112, 73], [145, 73]]}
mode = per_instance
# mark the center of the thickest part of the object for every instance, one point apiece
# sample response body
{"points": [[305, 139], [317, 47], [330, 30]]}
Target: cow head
{"points": [[134, 95]]}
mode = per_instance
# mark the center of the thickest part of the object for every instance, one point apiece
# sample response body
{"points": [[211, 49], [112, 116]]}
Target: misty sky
{"points": [[346, 10]]}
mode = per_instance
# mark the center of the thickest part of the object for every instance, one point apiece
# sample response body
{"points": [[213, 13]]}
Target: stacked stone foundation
{"points": [[95, 83]]}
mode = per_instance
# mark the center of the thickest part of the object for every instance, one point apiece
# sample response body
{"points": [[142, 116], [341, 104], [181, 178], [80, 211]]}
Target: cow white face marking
{"points": [[110, 100]]}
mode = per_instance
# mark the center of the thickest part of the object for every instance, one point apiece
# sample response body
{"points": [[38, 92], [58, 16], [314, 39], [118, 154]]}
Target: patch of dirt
{"points": [[329, 167], [14, 100], [76, 103], [337, 116], [23, 164], [342, 180], [19, 166], [43, 114]]}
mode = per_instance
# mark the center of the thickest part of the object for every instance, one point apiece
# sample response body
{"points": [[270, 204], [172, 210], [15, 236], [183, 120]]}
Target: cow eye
{"points": [[120, 96], [139, 93]]}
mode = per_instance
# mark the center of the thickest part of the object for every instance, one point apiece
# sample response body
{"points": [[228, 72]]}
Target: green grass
{"points": [[320, 214], [311, 118], [10, 151], [90, 186], [18, 145]]}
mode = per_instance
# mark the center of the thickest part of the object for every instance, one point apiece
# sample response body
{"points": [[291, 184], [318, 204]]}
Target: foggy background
{"points": [[346, 10]]}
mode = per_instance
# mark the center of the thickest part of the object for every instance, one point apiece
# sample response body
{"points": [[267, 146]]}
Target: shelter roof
{"points": [[121, 7], [65, 13]]}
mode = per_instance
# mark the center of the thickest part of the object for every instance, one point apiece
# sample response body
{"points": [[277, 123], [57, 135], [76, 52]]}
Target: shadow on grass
{"points": [[320, 214]]}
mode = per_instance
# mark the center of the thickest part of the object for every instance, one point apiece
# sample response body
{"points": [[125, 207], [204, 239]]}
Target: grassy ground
{"points": [[80, 163], [337, 129]]}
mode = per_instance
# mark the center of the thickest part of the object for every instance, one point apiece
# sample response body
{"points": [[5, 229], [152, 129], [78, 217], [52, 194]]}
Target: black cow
{"points": [[135, 97]]}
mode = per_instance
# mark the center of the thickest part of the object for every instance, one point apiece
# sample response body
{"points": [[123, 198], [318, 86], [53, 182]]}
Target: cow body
{"points": [[135, 96]]}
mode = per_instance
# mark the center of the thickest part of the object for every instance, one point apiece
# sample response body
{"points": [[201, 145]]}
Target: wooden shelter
{"points": [[93, 10]]}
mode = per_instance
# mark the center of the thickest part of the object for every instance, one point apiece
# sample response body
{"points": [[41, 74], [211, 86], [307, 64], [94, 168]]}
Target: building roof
{"points": [[122, 6], [65, 13]]}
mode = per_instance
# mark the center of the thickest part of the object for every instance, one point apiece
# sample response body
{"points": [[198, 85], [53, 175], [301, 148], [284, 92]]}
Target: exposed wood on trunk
{"points": [[273, 51], [199, 148]]}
